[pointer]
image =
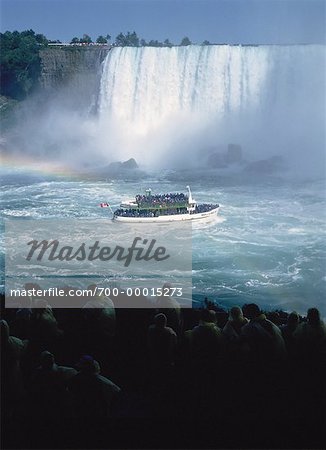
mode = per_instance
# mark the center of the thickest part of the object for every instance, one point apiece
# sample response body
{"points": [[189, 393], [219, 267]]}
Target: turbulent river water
{"points": [[266, 246]]}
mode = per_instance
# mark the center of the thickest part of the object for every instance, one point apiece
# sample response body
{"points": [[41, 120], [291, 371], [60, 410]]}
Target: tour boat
{"points": [[170, 207]]}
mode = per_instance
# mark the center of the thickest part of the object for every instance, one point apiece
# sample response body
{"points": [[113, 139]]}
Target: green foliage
{"points": [[206, 43], [155, 43], [167, 43], [101, 40], [128, 40], [20, 63], [86, 39], [185, 41], [75, 40]]}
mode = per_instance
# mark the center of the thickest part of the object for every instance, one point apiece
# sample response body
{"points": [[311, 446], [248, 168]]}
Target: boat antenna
{"points": [[189, 194]]}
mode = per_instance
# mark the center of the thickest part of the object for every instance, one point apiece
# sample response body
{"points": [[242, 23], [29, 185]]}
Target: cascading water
{"points": [[155, 97], [158, 104]]}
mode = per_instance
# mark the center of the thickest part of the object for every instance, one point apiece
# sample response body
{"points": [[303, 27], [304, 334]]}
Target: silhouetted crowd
{"points": [[149, 213], [133, 212], [239, 369], [164, 200], [205, 207]]}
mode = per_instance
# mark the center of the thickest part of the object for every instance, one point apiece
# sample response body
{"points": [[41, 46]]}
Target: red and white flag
{"points": [[104, 205]]}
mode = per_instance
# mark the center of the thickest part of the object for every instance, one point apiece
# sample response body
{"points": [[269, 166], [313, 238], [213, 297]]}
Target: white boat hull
{"points": [[169, 218]]}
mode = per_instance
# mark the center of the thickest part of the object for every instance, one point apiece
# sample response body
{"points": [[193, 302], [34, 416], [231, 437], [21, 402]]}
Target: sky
{"points": [[218, 21]]}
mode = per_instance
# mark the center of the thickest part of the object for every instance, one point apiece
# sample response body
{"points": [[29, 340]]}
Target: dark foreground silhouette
{"points": [[165, 378]]}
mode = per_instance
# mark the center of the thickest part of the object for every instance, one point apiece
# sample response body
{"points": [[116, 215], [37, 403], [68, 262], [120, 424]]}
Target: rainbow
{"points": [[23, 163]]}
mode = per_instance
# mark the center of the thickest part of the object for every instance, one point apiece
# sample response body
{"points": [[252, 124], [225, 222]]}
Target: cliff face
{"points": [[75, 68]]}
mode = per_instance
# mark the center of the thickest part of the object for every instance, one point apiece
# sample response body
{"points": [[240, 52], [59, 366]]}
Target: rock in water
{"points": [[216, 161], [130, 164], [234, 154], [266, 166]]}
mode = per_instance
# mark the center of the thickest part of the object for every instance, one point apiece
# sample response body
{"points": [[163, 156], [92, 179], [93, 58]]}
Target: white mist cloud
{"points": [[170, 105]]}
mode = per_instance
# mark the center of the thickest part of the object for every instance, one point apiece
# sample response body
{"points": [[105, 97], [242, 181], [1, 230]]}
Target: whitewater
{"points": [[154, 102], [269, 249], [168, 107]]}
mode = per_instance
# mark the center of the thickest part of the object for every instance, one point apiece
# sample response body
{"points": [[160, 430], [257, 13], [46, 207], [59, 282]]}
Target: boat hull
{"points": [[169, 218]]}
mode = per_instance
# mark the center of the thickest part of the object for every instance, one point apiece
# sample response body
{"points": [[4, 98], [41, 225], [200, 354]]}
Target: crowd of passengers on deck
{"points": [[161, 199], [206, 207]]}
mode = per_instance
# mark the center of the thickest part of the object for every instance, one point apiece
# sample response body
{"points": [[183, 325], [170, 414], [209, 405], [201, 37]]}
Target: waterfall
{"points": [[152, 94]]}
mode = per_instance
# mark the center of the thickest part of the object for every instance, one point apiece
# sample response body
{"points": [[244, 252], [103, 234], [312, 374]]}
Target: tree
{"points": [[86, 39], [143, 43], [120, 40], [133, 39], [20, 63], [128, 40], [75, 40], [101, 40], [206, 43], [167, 43], [41, 39], [155, 43], [185, 41]]}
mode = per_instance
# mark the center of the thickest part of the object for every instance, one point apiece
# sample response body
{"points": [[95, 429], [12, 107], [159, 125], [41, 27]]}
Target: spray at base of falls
{"points": [[154, 101]]}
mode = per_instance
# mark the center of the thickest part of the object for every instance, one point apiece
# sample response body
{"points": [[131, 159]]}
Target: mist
{"points": [[168, 108]]}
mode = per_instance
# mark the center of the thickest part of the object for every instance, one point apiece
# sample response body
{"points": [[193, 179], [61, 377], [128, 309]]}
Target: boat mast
{"points": [[189, 195]]}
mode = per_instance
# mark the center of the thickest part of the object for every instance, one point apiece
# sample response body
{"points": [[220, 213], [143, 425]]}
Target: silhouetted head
{"points": [[25, 302], [208, 316], [293, 319], [30, 286], [92, 287], [236, 313], [47, 360], [313, 316], [41, 305], [274, 317], [160, 320], [88, 365], [252, 311], [166, 289], [4, 331]]}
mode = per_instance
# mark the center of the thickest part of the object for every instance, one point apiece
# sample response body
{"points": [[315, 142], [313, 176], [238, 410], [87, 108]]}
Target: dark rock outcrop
{"points": [[221, 160], [234, 154], [127, 170], [63, 65], [216, 161], [130, 164], [266, 166], [73, 73]]}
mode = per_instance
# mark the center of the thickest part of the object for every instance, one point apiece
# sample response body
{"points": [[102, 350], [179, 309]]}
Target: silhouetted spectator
{"points": [[288, 330], [162, 341], [311, 336], [12, 349], [263, 337], [274, 316], [92, 393], [45, 329], [49, 387], [205, 339], [23, 316], [101, 309], [99, 325], [232, 329], [170, 307]]}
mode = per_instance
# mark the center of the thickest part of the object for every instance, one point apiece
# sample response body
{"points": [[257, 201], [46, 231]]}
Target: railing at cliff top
{"points": [[93, 44]]}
